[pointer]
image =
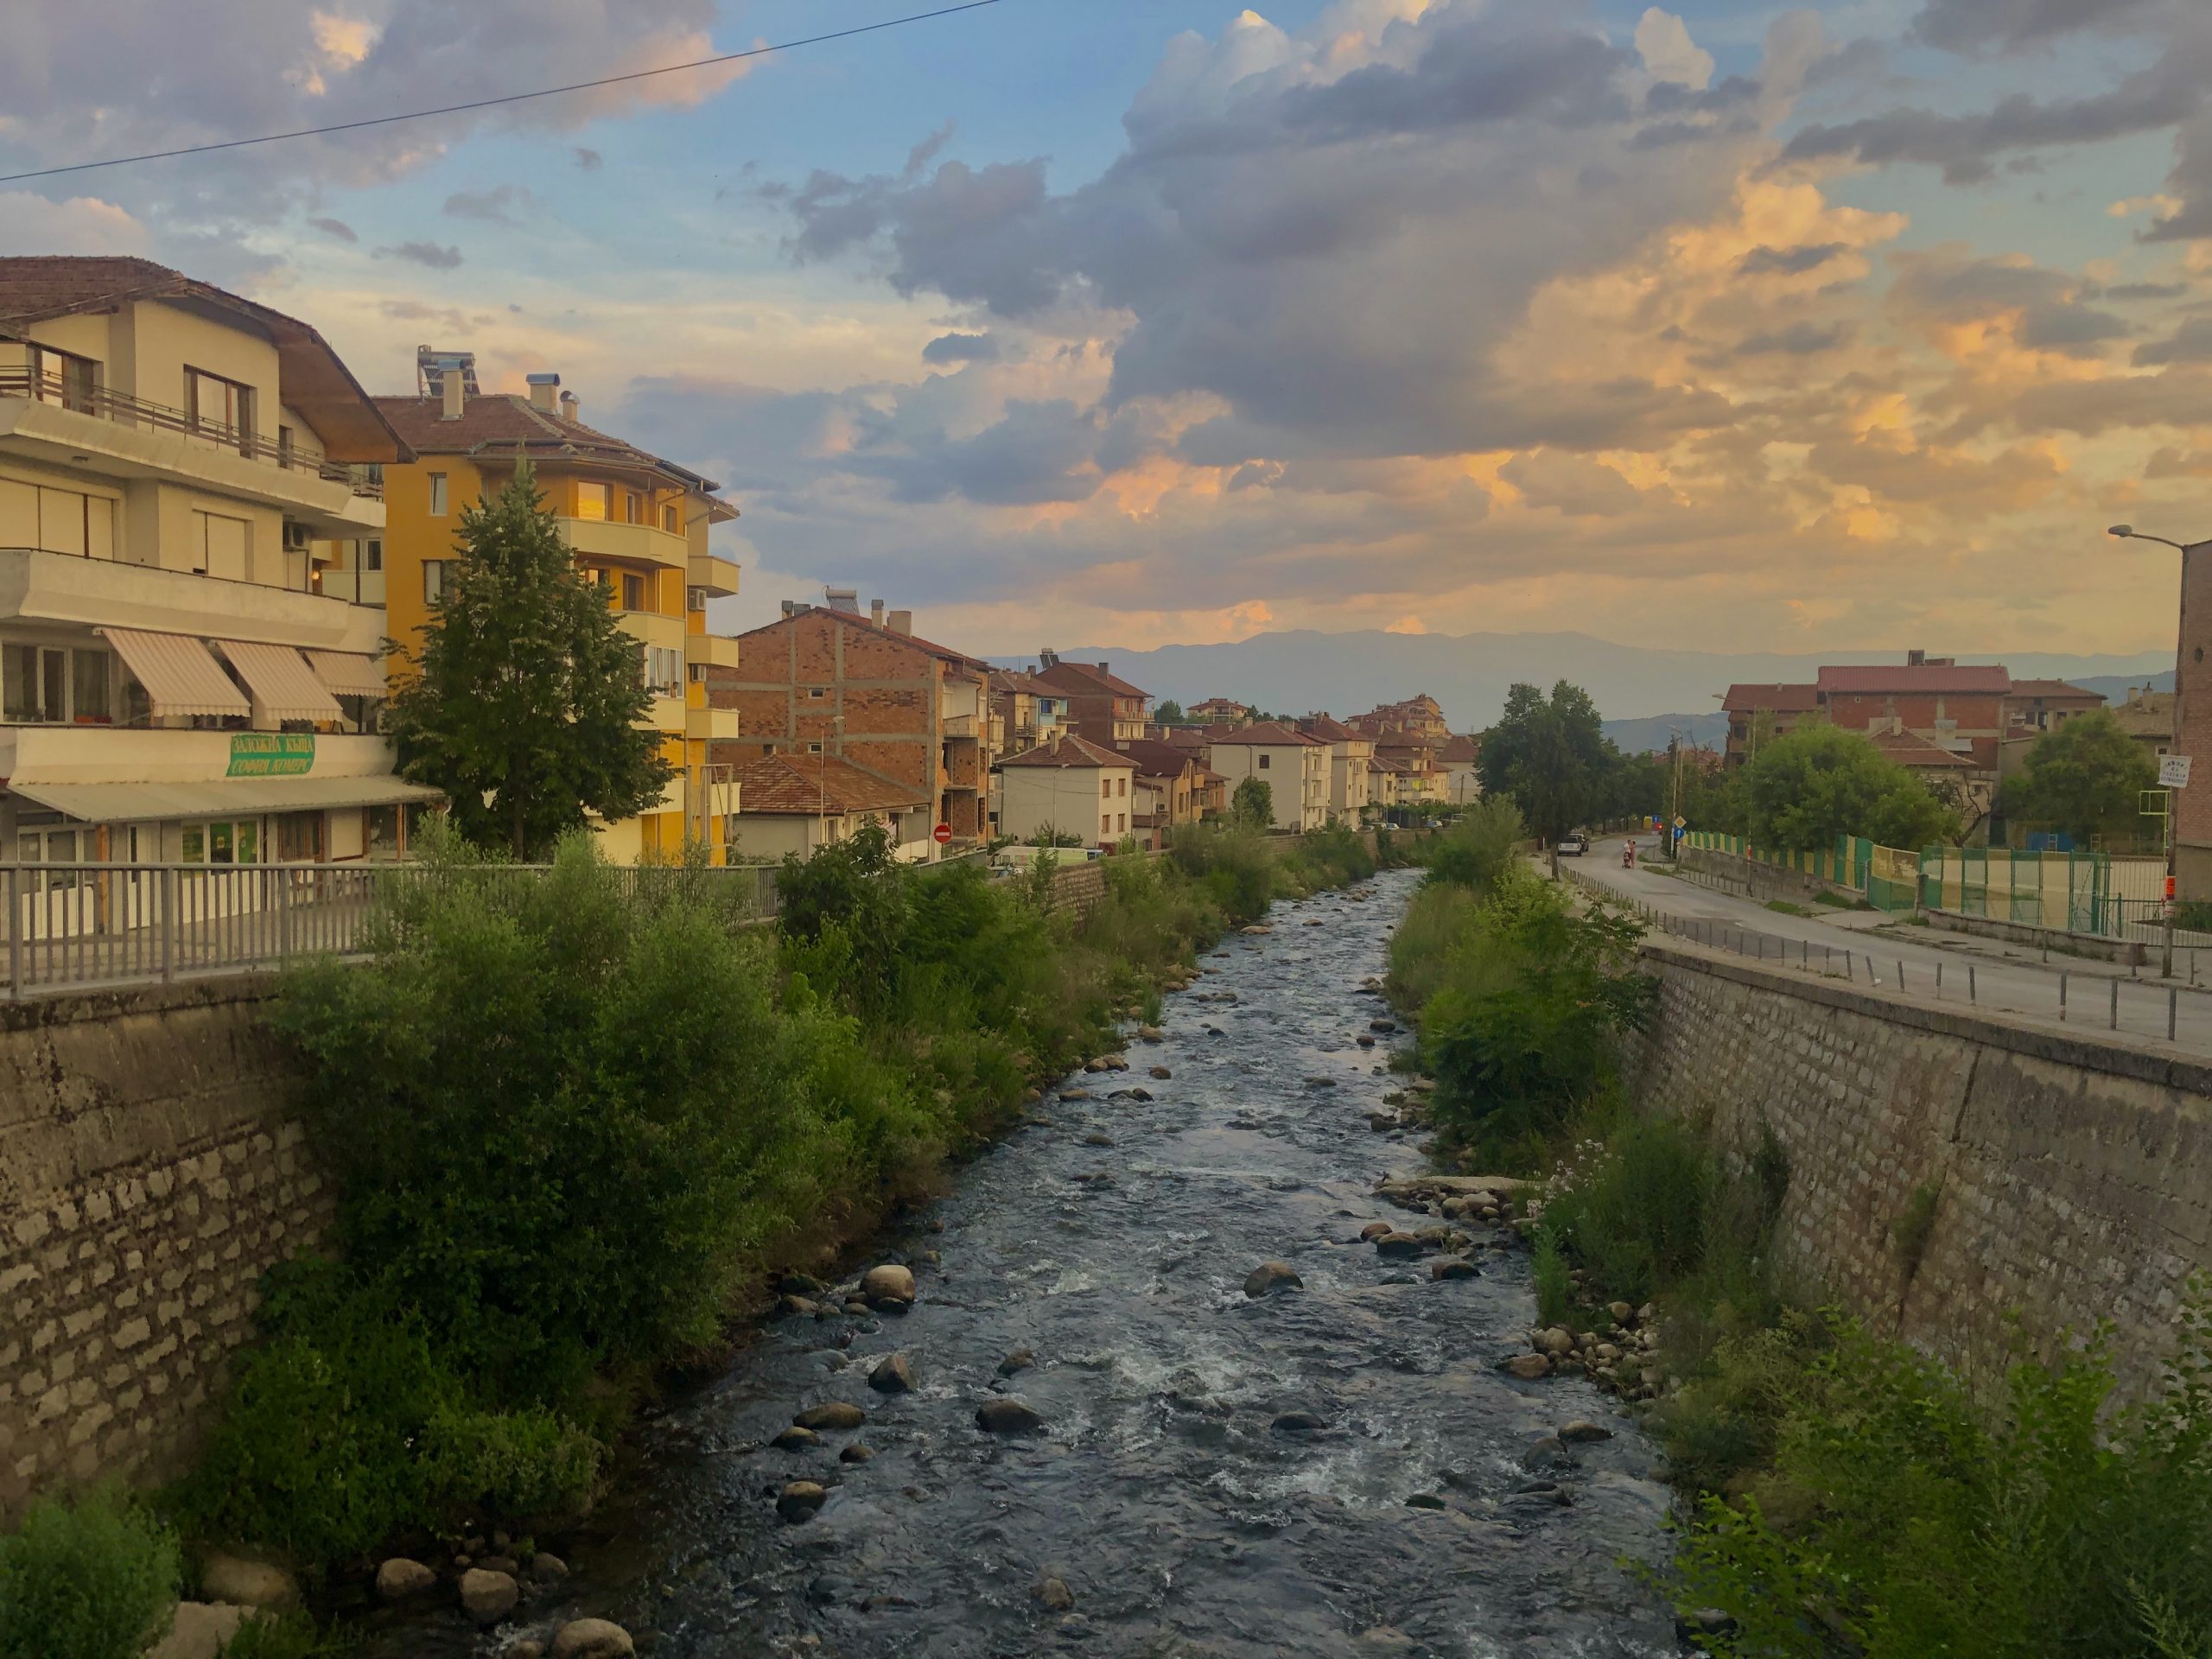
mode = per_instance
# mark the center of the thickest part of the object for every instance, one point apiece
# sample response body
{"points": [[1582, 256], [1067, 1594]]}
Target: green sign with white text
{"points": [[271, 754]]}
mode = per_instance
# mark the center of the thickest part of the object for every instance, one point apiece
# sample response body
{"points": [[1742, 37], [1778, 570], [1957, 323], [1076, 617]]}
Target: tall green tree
{"points": [[1551, 756], [1168, 713], [1253, 802], [527, 700], [1820, 782], [2086, 779]]}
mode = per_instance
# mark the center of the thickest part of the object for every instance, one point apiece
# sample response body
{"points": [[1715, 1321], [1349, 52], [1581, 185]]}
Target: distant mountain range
{"points": [[1649, 733], [1349, 673]]}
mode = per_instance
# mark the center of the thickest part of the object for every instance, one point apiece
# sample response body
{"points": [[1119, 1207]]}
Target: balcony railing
{"points": [[125, 411]]}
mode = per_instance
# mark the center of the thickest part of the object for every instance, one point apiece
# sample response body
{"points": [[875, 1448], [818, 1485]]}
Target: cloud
{"points": [[33, 224], [1798, 339], [1571, 484], [497, 205], [1662, 41], [2008, 25], [590, 161], [1788, 262], [432, 254], [961, 348], [2191, 343], [336, 228]]}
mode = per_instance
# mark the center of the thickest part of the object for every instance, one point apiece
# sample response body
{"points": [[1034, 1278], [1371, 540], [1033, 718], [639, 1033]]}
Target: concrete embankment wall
{"points": [[149, 1172], [2073, 1174]]}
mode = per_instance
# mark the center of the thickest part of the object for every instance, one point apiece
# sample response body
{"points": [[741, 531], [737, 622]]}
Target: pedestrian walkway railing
{"points": [[2108, 1001], [78, 927]]}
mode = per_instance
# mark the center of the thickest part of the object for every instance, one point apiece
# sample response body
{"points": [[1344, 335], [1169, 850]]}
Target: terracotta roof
{"points": [[1095, 674], [1460, 749], [852, 619], [496, 424], [1268, 734], [1330, 731], [1911, 749], [2054, 689], [2148, 715], [1153, 758], [1772, 699], [1016, 680], [1989, 678], [314, 379], [1073, 751], [808, 784]]}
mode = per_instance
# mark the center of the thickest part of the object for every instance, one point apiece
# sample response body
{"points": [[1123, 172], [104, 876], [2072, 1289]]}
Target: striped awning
{"points": [[348, 674], [179, 677], [282, 681]]}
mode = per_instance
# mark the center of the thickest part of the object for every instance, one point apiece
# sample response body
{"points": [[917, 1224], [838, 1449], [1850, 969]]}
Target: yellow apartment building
{"points": [[639, 524], [177, 685]]}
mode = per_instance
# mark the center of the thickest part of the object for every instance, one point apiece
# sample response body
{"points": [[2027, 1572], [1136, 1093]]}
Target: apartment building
{"points": [[1461, 760], [639, 524], [1296, 768], [1101, 709], [177, 683], [1349, 750], [1173, 786], [1218, 711], [1419, 716], [1065, 786], [1759, 713], [825, 679], [799, 804]]}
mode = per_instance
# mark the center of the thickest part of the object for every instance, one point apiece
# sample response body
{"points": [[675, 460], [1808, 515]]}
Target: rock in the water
{"points": [[488, 1597], [1557, 1340], [1151, 1034], [525, 1648], [1364, 1040], [1580, 1432], [1545, 1455], [591, 1638], [894, 1374], [399, 1577], [547, 1567], [1095, 1138], [1008, 1416], [1375, 1230], [799, 1500], [800, 1284], [1019, 1360], [246, 1584], [1426, 1501], [1382, 1025], [835, 1415], [1054, 1593], [855, 1454], [1529, 1367], [1397, 1245], [1452, 1267], [1257, 930], [797, 1306], [1160, 1073], [796, 1439], [1272, 1276], [1297, 1422], [888, 1285], [201, 1629]]}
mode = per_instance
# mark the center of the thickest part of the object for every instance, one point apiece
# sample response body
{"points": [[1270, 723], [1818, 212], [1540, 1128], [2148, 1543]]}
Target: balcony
{"points": [[716, 650], [959, 725], [129, 437], [710, 725], [93, 593], [652, 628], [717, 575], [635, 545]]}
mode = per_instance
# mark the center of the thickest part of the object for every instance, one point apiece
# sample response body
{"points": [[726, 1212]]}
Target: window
{"points": [[434, 580], [593, 500], [817, 693], [1105, 789], [1124, 818], [669, 521], [372, 555], [1105, 825], [1122, 787], [220, 409], [284, 445], [814, 748], [89, 684], [663, 670], [224, 546], [633, 591], [437, 495], [633, 507], [72, 381], [1263, 762]]}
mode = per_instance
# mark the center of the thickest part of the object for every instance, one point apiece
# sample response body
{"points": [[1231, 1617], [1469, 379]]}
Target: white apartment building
{"points": [[1294, 767], [1066, 785], [175, 465]]}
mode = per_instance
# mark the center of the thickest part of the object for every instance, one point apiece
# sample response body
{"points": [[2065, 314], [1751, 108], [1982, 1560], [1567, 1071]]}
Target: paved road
{"points": [[2025, 989]]}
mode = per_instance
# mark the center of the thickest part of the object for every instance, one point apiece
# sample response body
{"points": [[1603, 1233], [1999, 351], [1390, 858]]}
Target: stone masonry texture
{"points": [[149, 1172], [2073, 1175]]}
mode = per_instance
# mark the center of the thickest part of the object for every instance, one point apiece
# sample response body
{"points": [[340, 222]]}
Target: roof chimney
{"points": [[1052, 740], [1101, 668], [899, 621], [568, 405], [541, 390], [789, 607], [451, 393], [875, 611], [1915, 659]]}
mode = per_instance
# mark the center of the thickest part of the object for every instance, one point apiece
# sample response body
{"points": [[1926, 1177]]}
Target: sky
{"points": [[1132, 322]]}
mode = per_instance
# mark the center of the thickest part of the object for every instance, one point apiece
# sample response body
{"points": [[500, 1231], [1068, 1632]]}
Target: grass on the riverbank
{"points": [[575, 1120], [1844, 1495]]}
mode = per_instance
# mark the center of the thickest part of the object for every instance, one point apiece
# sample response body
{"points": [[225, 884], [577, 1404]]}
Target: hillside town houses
{"points": [[211, 533]]}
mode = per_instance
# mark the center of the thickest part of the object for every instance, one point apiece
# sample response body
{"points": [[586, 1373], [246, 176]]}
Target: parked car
{"points": [[1574, 845]]}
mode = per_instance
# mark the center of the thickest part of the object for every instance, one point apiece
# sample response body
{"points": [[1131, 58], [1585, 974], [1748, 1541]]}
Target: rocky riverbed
{"points": [[1150, 1382]]}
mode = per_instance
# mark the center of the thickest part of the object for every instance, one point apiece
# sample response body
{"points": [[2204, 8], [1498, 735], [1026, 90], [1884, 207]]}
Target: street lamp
{"points": [[2127, 533]]}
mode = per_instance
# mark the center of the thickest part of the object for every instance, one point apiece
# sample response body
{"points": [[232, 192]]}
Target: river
{"points": [[1111, 1240]]}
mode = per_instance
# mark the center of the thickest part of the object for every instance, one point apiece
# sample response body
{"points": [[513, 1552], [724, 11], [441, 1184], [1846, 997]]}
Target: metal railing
{"points": [[125, 410], [85, 926]]}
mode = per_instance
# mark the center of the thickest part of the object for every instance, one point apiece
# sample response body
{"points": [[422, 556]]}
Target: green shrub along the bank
{"points": [[97, 1579], [1843, 1494], [574, 1118]]}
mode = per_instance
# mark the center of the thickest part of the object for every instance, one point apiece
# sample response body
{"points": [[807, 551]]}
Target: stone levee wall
{"points": [[2072, 1175], [150, 1173]]}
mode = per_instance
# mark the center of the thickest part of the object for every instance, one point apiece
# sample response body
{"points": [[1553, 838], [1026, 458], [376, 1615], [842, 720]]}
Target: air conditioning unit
{"points": [[297, 538]]}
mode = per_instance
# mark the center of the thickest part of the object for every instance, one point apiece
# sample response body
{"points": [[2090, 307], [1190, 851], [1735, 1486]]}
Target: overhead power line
{"points": [[510, 98]]}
